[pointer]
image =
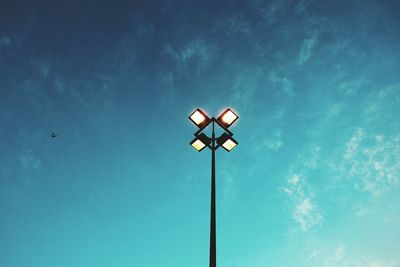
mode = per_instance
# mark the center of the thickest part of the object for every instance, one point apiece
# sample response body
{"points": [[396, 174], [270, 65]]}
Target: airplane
{"points": [[53, 135]]}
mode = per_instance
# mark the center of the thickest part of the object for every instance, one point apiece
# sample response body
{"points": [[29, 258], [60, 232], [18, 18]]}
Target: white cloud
{"points": [[305, 211], [270, 14], [237, 24], [274, 142], [143, 27], [343, 256], [306, 49], [351, 87], [294, 179], [197, 52], [282, 83], [336, 108], [59, 84], [334, 257], [167, 83], [246, 85], [311, 161], [353, 144], [372, 160], [367, 157], [303, 214], [382, 264], [301, 7], [339, 253], [42, 68]]}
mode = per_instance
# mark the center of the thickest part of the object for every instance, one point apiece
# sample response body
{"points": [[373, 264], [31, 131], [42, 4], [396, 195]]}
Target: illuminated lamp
{"points": [[199, 117], [200, 142], [227, 142], [227, 118]]}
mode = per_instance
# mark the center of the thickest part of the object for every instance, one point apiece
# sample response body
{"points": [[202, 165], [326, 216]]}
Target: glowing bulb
{"points": [[197, 117], [228, 117], [198, 145], [229, 144]]}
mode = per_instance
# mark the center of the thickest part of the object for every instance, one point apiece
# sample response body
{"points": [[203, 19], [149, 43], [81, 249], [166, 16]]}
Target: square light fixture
{"points": [[199, 117], [228, 117], [200, 142], [198, 145], [227, 142]]}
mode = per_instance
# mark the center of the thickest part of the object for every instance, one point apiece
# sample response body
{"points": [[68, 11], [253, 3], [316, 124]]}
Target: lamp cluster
{"points": [[225, 120]]}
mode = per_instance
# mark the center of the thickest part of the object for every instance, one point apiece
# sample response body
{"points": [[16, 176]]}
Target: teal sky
{"points": [[314, 181]]}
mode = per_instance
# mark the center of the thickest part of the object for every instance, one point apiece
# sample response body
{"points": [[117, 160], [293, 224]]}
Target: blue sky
{"points": [[314, 181]]}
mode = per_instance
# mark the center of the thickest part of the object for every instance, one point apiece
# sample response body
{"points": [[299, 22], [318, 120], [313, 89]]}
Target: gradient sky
{"points": [[315, 180]]}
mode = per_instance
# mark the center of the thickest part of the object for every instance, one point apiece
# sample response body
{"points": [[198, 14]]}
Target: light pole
{"points": [[201, 141]]}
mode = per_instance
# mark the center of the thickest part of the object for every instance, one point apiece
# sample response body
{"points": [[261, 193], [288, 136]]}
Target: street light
{"points": [[228, 117], [226, 142], [199, 118], [200, 142]]}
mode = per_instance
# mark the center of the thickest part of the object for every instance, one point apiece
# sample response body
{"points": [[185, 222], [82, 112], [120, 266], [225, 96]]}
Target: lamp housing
{"points": [[228, 117], [199, 118], [227, 142], [200, 142]]}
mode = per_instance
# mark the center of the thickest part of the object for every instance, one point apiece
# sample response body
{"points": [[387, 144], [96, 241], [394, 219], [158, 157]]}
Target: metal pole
{"points": [[213, 241]]}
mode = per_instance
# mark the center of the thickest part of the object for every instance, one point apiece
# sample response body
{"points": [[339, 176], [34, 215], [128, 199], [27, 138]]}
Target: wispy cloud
{"points": [[168, 88], [196, 52], [270, 13], [283, 84], [59, 84], [246, 85], [302, 7], [233, 24], [305, 214], [351, 87], [42, 68], [305, 211], [340, 255], [382, 264], [274, 142], [142, 27], [352, 146], [373, 161], [306, 49], [336, 257]]}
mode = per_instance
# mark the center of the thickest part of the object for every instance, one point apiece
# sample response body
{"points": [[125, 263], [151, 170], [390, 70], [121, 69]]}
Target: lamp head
{"points": [[228, 117], [199, 118], [227, 142], [200, 142]]}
